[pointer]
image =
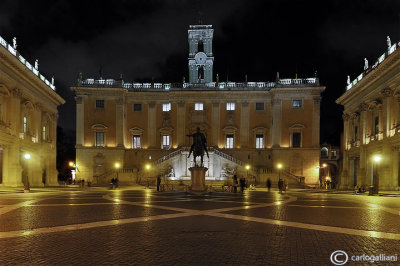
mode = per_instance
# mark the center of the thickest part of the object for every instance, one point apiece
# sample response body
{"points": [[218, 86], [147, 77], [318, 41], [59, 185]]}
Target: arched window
{"points": [[324, 152], [201, 73], [200, 47]]}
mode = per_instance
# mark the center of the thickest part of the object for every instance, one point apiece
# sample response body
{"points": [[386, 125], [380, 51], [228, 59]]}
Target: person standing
{"points": [[235, 183], [269, 184], [280, 185], [158, 182]]}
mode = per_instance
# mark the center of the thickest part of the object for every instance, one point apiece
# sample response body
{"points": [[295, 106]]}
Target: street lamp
{"points": [[279, 165], [148, 166], [27, 157], [117, 166], [73, 171], [375, 159]]}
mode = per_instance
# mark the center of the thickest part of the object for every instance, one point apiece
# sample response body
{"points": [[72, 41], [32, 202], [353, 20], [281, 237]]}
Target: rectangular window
{"points": [[99, 103], [333, 154], [297, 103], [259, 106], [165, 141], [296, 139], [136, 141], [44, 133], [99, 139], [376, 125], [259, 141], [25, 124], [137, 107], [230, 106], [166, 107], [198, 106], [229, 141]]}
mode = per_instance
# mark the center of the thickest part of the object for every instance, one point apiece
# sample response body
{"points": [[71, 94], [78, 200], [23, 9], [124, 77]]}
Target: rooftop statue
{"points": [[15, 43], [36, 64], [365, 64], [199, 146], [348, 80], [389, 42]]}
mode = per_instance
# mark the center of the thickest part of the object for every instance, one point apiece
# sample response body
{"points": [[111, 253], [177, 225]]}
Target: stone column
{"points": [[80, 122], [180, 123], [346, 130], [14, 111], [14, 177], [244, 125], [215, 123], [119, 122], [37, 123], [387, 111], [363, 123], [152, 125], [316, 122], [362, 173], [398, 111], [276, 123]]}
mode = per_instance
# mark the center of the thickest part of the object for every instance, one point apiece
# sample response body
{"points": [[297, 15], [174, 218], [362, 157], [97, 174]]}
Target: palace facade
{"points": [[28, 121], [372, 125], [250, 126]]}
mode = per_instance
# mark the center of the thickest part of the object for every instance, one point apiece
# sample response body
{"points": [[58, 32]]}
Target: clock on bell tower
{"points": [[201, 58]]}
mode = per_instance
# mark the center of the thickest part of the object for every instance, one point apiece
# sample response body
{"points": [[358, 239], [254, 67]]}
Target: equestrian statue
{"points": [[199, 146]]}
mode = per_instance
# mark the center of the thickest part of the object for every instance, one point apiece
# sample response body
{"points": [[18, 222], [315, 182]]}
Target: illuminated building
{"points": [[28, 121], [372, 124], [254, 123]]}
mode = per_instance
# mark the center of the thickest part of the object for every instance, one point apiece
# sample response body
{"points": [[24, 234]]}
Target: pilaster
{"points": [[316, 122], [215, 123], [80, 122], [119, 122], [244, 125], [276, 123], [151, 125], [180, 130]]}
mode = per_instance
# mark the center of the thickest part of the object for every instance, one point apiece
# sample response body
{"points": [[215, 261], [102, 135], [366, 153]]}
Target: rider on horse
{"points": [[199, 145]]}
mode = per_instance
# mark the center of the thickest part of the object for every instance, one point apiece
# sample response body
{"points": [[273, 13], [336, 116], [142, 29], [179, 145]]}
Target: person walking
{"points": [[269, 184], [242, 184], [158, 182]]}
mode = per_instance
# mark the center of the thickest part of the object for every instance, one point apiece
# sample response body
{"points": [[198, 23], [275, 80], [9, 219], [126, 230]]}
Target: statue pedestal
{"points": [[198, 177]]}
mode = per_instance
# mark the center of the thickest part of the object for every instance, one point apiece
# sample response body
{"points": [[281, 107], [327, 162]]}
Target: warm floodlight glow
{"points": [[324, 165], [71, 164], [147, 166], [27, 156], [279, 165], [117, 165], [247, 167], [377, 158]]}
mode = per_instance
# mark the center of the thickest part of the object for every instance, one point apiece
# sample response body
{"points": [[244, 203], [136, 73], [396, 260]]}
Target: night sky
{"points": [[148, 39]]}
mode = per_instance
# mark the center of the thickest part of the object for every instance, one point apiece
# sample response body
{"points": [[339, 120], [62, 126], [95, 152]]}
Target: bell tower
{"points": [[201, 58]]}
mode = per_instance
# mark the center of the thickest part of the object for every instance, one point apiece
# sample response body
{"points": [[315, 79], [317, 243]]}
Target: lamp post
{"points": [[27, 157], [148, 166], [247, 171], [73, 171], [375, 159], [279, 165]]}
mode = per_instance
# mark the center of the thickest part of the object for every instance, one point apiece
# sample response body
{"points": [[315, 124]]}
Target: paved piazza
{"points": [[143, 227]]}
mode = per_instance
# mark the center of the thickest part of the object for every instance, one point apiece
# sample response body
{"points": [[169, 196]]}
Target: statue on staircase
{"points": [[199, 146]]}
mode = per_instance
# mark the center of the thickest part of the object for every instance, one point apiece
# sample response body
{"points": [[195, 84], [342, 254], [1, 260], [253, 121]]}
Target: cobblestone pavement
{"points": [[144, 227]]}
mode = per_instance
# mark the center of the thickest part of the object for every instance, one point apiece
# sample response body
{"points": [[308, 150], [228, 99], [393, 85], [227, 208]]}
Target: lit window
{"points": [[229, 141], [165, 141], [99, 139], [137, 107], [25, 124], [296, 140], [99, 103], [230, 106], [166, 107], [259, 106], [333, 154], [297, 103], [136, 141], [44, 133], [198, 106], [259, 141]]}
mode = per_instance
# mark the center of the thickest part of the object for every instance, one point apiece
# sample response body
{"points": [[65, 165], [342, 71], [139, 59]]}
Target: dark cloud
{"points": [[148, 39]]}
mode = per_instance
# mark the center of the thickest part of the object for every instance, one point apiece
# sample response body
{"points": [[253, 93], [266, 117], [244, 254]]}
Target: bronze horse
{"points": [[199, 146]]}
